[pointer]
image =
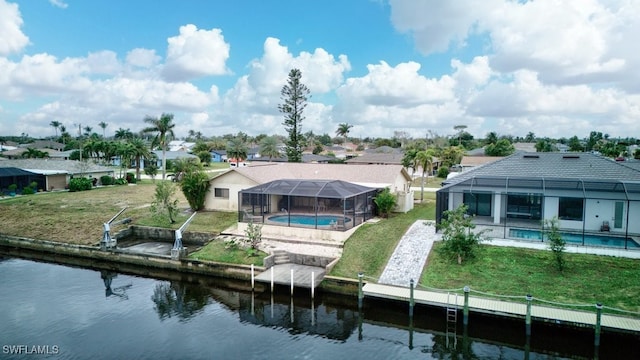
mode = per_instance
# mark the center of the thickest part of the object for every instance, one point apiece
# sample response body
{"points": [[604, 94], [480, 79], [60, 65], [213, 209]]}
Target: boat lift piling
{"points": [[107, 242], [179, 251]]}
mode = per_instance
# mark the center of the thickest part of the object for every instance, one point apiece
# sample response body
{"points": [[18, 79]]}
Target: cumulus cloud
{"points": [[253, 101], [12, 39], [59, 3], [196, 53], [437, 25]]}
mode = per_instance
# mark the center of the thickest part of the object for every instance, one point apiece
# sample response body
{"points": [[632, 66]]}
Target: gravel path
{"points": [[410, 256]]}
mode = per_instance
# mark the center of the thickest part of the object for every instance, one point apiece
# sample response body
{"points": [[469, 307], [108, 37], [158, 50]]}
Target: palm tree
{"points": [[459, 129], [56, 125], [122, 134], [343, 130], [88, 130], [103, 125], [269, 147], [139, 151], [237, 149], [424, 159], [163, 127]]}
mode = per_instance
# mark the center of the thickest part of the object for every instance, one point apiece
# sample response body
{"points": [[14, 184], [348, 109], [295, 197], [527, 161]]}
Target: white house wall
{"points": [[232, 181]]}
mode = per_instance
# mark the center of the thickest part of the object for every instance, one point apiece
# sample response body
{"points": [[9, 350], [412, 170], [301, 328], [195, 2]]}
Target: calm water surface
{"points": [[80, 313]]}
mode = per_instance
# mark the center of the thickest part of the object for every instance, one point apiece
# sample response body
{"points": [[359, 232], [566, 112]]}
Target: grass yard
{"points": [[218, 251], [77, 217], [588, 279], [371, 246]]}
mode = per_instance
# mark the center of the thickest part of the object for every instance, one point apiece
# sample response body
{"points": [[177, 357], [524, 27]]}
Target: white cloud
{"points": [[252, 104], [436, 25], [12, 39], [59, 3], [143, 58], [196, 53]]}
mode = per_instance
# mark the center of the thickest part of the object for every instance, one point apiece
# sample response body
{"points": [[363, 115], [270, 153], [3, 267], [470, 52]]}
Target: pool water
{"points": [[323, 220], [594, 240]]}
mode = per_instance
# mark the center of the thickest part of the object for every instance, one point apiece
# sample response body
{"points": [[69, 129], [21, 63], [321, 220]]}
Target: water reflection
{"points": [[120, 291], [172, 298]]}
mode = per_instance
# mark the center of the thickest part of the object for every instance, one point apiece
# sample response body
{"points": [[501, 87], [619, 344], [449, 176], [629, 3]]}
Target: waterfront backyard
{"points": [[78, 217]]}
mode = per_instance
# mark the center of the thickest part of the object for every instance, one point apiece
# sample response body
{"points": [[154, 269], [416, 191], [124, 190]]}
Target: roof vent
{"points": [[571, 156], [531, 156]]}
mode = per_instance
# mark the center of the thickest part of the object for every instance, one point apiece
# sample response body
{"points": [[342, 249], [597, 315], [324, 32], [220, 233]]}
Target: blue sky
{"points": [[416, 66]]}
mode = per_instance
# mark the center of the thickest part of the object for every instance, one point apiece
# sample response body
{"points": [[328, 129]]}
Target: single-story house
{"points": [[21, 178], [223, 194], [57, 173], [306, 158], [218, 155], [596, 200], [469, 162]]}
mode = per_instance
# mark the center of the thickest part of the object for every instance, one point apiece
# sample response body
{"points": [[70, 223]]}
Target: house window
{"points": [[221, 193], [570, 208], [528, 206], [478, 203]]}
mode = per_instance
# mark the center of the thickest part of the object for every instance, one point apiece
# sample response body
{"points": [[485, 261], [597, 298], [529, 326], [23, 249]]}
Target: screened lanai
{"points": [[589, 211], [319, 204]]}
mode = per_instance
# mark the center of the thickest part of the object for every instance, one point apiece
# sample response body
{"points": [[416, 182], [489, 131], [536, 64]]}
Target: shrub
{"points": [[556, 242], [131, 178], [194, 186], [459, 241], [28, 191], [385, 201], [443, 172], [106, 180], [80, 184], [121, 181]]}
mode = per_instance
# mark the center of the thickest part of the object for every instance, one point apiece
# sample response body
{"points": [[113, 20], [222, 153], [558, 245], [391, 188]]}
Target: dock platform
{"points": [[503, 308], [301, 275]]}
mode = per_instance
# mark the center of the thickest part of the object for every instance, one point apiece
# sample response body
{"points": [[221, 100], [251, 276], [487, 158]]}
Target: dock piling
{"points": [[313, 276], [598, 322], [465, 310], [253, 278], [291, 281], [528, 315], [411, 299], [360, 293]]}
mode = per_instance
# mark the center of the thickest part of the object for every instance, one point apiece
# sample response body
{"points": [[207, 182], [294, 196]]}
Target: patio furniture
{"points": [[605, 226]]}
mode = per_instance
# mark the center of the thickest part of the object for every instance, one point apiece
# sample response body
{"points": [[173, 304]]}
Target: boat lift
{"points": [[107, 242], [178, 251]]}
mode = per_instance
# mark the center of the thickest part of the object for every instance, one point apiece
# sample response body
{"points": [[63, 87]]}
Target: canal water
{"points": [[56, 311]]}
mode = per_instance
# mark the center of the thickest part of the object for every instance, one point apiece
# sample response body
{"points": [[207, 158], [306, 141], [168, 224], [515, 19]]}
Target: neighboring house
{"points": [[170, 156], [384, 158], [306, 158], [383, 150], [58, 172], [218, 155], [18, 153], [223, 193], [524, 147], [470, 162], [21, 178], [179, 145], [586, 192], [44, 144]]}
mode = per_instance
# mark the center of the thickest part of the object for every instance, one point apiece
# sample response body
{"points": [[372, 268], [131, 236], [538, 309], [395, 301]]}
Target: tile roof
{"points": [[377, 158], [552, 165], [362, 174], [69, 166], [478, 160]]}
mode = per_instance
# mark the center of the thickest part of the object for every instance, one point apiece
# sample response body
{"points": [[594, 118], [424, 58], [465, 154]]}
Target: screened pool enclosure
{"points": [[319, 204], [590, 212]]}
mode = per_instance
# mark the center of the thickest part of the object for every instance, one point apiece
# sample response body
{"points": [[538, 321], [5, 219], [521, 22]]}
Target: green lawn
{"points": [[217, 251], [588, 279], [369, 248]]}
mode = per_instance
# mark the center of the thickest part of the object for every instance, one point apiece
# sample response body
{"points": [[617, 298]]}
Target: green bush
{"points": [[131, 178], [443, 172], [385, 201], [195, 186], [107, 180], [80, 184], [121, 181]]}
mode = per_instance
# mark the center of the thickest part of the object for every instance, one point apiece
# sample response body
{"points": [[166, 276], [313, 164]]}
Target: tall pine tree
{"points": [[294, 95]]}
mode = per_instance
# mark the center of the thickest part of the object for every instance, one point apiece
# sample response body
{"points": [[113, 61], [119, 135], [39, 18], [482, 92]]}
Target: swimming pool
{"points": [[323, 220], [589, 239]]}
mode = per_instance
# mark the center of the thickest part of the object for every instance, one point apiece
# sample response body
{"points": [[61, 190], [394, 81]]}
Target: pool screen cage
{"points": [[319, 204], [585, 208]]}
